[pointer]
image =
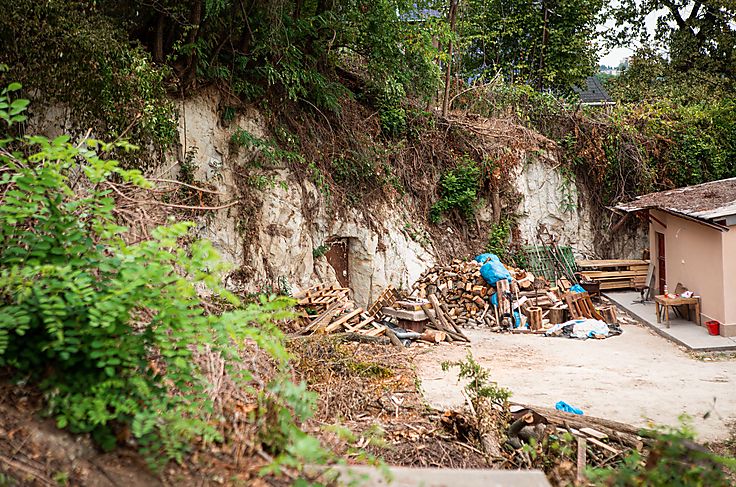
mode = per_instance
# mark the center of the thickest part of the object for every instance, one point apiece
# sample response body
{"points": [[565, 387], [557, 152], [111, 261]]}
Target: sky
{"points": [[614, 56]]}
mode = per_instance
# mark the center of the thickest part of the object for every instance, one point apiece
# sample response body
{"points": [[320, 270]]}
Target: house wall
{"points": [[728, 327], [694, 256]]}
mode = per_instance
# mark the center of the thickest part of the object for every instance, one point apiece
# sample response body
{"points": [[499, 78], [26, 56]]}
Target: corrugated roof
{"points": [[709, 202]]}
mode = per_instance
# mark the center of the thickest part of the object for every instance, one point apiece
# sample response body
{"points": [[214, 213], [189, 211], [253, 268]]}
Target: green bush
{"points": [[498, 239], [393, 115], [458, 190], [108, 330], [76, 59], [674, 459]]}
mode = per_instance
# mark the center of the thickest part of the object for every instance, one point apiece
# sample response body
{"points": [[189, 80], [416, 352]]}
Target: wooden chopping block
{"points": [[556, 315], [535, 318], [609, 314]]}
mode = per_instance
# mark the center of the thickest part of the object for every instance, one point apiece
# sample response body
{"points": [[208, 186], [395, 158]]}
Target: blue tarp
{"points": [[482, 258], [577, 288], [494, 271]]}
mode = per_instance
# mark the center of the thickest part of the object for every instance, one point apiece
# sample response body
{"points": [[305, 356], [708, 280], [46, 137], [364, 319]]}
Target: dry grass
{"points": [[373, 391]]}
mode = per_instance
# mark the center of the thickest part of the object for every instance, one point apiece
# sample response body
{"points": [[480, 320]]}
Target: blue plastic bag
{"points": [[483, 258], [577, 288], [517, 320], [494, 271], [563, 406]]}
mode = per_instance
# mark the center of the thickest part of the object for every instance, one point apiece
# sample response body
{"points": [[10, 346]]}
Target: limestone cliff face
{"points": [[278, 238]]}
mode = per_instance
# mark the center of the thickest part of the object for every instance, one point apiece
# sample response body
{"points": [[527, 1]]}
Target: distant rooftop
{"points": [[593, 93], [711, 202]]}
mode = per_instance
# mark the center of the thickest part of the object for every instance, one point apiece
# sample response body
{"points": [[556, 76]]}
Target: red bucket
{"points": [[713, 327]]}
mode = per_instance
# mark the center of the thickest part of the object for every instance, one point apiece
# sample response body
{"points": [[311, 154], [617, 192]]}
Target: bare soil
{"points": [[635, 378]]}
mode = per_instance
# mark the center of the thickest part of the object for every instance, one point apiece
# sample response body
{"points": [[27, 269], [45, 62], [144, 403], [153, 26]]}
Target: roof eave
{"points": [[706, 222]]}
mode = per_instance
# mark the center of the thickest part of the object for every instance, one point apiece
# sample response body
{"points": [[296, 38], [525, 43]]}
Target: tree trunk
{"points": [[158, 42], [452, 14]]}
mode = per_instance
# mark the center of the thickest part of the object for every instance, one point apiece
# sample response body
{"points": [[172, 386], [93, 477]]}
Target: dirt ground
{"points": [[633, 378]]}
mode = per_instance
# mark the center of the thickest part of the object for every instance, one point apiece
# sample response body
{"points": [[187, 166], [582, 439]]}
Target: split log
{"points": [[435, 323], [432, 336], [504, 305], [439, 313], [394, 339], [535, 318], [556, 315], [609, 314]]}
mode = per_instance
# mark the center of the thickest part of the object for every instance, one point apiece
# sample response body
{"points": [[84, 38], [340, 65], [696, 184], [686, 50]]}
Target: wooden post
{"points": [[535, 318], [609, 314], [502, 289]]}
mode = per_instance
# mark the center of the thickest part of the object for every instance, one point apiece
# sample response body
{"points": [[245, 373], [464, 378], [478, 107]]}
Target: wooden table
{"points": [[661, 301]]}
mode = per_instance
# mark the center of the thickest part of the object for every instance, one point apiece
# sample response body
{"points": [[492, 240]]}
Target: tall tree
{"points": [[544, 43], [697, 34]]}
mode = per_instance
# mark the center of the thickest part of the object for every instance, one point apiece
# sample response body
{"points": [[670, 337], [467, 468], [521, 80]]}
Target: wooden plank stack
{"points": [[329, 309], [615, 274]]}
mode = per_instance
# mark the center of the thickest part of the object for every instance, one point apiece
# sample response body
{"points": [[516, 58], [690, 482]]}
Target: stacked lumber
{"points": [[615, 274], [329, 309]]}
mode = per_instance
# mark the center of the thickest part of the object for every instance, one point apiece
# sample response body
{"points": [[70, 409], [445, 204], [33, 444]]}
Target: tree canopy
{"points": [[544, 43], [693, 37]]}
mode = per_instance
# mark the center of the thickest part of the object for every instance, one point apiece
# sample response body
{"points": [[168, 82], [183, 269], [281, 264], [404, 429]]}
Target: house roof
{"points": [[593, 93], [708, 202]]}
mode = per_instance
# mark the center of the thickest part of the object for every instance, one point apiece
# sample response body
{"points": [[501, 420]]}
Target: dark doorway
{"points": [[337, 257], [661, 266]]}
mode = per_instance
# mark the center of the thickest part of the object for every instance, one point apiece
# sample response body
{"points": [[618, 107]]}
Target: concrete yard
{"points": [[633, 378]]}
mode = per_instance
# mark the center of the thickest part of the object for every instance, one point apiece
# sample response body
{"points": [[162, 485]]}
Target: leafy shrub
{"points": [[458, 190], [393, 115], [498, 239], [673, 460], [73, 56], [479, 380], [109, 330]]}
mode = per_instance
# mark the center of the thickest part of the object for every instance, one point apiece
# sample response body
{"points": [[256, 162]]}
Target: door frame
{"points": [[661, 261]]}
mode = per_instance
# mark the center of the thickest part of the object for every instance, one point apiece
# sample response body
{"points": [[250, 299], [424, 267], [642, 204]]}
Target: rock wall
{"points": [[274, 243], [276, 238], [550, 197]]}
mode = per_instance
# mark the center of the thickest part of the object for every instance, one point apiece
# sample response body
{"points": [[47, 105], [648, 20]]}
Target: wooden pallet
{"points": [[335, 312], [386, 299], [580, 306]]}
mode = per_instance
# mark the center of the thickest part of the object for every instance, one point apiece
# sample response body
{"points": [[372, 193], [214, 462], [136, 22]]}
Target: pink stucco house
{"points": [[692, 236]]}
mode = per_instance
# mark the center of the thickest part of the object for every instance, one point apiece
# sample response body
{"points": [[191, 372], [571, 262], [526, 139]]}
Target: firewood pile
{"points": [[444, 300], [463, 297], [329, 309]]}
